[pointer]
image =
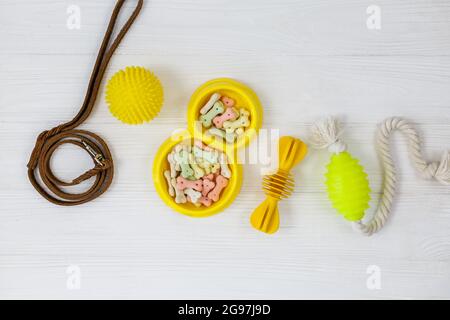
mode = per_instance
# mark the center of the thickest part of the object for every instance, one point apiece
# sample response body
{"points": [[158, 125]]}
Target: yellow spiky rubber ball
{"points": [[134, 95]]}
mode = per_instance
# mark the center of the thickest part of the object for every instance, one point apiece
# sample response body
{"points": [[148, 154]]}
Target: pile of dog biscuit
{"points": [[198, 174], [222, 119]]}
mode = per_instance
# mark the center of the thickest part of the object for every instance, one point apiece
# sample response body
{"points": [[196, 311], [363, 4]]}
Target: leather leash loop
{"points": [[49, 140]]}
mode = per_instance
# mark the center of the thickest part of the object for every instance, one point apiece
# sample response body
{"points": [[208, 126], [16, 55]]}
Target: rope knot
{"points": [[441, 170], [326, 134], [431, 170], [337, 147]]}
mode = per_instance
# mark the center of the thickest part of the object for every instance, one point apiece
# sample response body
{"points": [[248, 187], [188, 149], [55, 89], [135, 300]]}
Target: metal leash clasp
{"points": [[98, 157]]}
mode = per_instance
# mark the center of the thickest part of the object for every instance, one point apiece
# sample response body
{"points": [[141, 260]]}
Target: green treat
{"points": [[207, 118], [182, 158]]}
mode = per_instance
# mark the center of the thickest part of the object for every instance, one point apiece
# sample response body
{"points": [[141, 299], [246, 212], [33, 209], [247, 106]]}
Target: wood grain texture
{"points": [[305, 59]]}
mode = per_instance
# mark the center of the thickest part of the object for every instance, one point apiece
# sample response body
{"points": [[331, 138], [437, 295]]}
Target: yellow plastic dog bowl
{"points": [[161, 164], [244, 97]]}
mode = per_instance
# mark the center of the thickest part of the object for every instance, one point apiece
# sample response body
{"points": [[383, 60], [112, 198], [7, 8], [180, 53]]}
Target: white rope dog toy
{"points": [[347, 182]]}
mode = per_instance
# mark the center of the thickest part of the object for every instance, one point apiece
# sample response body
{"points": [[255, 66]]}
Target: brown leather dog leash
{"points": [[49, 140]]}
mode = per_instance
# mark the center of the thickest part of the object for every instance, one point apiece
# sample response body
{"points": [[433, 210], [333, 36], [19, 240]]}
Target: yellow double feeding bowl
{"points": [[244, 97]]}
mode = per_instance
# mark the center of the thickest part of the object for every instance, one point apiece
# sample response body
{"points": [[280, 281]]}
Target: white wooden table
{"points": [[305, 59]]}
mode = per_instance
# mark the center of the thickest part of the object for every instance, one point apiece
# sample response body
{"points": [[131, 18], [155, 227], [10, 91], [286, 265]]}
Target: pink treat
{"points": [[208, 185], [183, 183], [221, 183], [205, 201], [229, 114], [200, 145], [209, 177], [228, 102]]}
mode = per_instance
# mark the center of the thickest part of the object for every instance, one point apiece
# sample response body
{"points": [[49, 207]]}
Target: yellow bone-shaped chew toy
{"points": [[279, 185]]}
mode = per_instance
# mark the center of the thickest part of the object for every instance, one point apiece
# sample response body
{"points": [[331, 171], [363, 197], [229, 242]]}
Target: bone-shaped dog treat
{"points": [[186, 147], [208, 185], [215, 167], [183, 183], [227, 101], [198, 154], [239, 132], [221, 183], [209, 176], [244, 113], [206, 118], [224, 169], [193, 195], [205, 165], [179, 194], [201, 145], [229, 114], [173, 165], [242, 122], [205, 201], [229, 137], [182, 159], [186, 170], [196, 204], [210, 156], [198, 172], [213, 99], [178, 148], [170, 188]]}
